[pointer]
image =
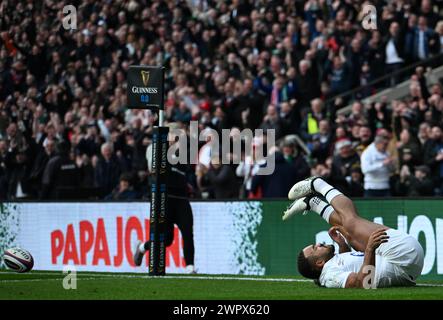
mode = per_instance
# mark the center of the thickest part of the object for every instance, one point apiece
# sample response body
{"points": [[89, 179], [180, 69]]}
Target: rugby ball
{"points": [[18, 259]]}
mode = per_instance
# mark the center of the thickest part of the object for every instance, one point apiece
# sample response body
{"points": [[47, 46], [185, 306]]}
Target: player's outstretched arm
{"points": [[356, 280]]}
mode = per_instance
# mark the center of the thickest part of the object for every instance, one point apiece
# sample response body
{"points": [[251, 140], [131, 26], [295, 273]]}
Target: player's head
{"points": [[312, 259], [381, 142]]}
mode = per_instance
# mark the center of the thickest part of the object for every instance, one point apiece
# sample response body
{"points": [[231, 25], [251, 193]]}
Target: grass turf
{"points": [[49, 285]]}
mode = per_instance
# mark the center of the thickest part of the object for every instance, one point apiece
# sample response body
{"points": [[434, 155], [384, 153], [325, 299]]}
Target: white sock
{"points": [[142, 248], [326, 190], [321, 207]]}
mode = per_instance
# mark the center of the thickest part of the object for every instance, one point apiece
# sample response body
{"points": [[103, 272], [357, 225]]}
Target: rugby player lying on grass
{"points": [[397, 257]]}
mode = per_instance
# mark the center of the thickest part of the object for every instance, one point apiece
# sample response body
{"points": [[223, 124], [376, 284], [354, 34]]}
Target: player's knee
{"points": [[346, 204]]}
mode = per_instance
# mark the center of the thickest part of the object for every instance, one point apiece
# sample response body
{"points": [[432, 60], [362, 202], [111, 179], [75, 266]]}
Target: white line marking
{"points": [[178, 276], [429, 285], [46, 279], [234, 278], [127, 276], [102, 276]]}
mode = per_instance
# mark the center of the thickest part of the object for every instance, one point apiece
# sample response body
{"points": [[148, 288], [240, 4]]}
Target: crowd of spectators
{"points": [[65, 124]]}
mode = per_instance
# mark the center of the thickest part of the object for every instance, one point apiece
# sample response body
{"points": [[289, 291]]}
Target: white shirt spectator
{"points": [[376, 173], [104, 130], [248, 169], [421, 45], [205, 155], [392, 54]]}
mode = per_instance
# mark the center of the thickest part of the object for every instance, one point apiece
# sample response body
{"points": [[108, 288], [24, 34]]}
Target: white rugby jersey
{"points": [[336, 271], [398, 262]]}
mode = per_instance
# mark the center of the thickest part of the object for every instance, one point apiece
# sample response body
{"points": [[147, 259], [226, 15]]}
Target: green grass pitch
{"points": [[49, 285]]}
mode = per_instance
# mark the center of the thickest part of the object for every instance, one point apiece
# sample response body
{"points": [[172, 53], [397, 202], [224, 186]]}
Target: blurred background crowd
{"points": [[65, 124]]}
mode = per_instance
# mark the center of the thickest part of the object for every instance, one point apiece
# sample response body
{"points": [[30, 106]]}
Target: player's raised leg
{"points": [[337, 210], [357, 228], [325, 211]]}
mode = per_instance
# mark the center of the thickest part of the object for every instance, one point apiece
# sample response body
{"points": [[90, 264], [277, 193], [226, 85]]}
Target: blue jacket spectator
{"points": [[421, 41], [107, 170], [339, 75]]}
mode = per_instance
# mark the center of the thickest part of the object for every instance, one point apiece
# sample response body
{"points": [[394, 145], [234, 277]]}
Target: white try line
{"points": [[188, 277], [45, 279], [429, 285], [101, 276], [148, 277], [232, 278]]}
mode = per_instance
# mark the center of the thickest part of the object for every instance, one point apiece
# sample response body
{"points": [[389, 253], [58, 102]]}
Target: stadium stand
{"points": [[283, 65]]}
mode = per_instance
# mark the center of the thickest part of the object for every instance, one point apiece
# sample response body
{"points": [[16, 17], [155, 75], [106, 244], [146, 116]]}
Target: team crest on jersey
{"points": [[357, 254]]}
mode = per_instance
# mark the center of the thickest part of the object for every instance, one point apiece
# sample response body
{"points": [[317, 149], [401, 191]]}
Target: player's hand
{"points": [[335, 235], [377, 238]]}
